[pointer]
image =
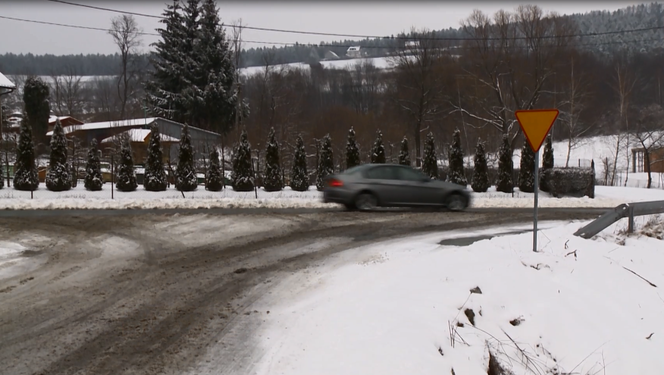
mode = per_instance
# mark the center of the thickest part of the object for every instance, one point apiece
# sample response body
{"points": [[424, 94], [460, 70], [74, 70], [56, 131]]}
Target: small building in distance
{"points": [[354, 52], [656, 156]]}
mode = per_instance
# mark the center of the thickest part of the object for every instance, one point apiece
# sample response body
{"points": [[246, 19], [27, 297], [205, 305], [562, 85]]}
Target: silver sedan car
{"points": [[367, 186]]}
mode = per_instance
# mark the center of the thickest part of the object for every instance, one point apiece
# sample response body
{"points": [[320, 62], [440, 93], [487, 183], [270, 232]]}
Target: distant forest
{"points": [[637, 17]]}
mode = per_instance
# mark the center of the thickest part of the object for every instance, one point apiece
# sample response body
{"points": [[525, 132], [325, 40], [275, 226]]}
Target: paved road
{"points": [[152, 291], [262, 211]]}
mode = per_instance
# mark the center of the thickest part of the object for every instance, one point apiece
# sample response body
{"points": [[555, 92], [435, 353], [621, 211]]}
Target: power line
{"points": [[65, 25], [579, 35], [107, 30], [106, 9], [329, 45]]}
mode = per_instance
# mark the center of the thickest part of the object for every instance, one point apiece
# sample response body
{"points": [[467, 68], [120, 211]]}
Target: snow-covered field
{"points": [[406, 307], [600, 149], [79, 198], [378, 62]]}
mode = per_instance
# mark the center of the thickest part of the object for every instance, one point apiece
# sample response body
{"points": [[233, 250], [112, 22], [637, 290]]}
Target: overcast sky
{"points": [[344, 17]]}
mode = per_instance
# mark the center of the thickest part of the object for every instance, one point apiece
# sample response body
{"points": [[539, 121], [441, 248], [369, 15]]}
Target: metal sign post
{"points": [[537, 157], [536, 124]]}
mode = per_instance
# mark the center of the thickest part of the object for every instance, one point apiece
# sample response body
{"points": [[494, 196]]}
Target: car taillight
{"points": [[335, 183]]}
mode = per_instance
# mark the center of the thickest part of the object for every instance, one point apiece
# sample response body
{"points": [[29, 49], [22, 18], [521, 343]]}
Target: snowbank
{"points": [[79, 198], [578, 306]]}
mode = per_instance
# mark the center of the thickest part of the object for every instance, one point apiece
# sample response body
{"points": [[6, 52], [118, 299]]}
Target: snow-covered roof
{"points": [[52, 118], [139, 135], [6, 83], [108, 124]]}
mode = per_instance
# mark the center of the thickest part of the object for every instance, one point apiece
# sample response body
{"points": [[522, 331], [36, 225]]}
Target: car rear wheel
{"points": [[366, 202], [455, 202]]}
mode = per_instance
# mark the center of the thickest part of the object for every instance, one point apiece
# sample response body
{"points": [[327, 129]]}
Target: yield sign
{"points": [[536, 124]]}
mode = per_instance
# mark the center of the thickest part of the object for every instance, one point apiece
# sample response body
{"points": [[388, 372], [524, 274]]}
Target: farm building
{"points": [[65, 121], [201, 139], [139, 140], [656, 160]]}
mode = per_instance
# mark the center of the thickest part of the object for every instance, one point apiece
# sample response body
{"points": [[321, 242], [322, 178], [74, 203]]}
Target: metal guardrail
{"points": [[628, 210]]}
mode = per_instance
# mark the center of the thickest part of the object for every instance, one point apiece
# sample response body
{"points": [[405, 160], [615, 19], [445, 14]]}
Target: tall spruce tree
{"points": [[480, 181], [214, 73], [126, 175], [242, 176], [325, 162], [527, 169], [378, 149], [37, 107], [273, 177], [169, 75], [456, 173], [93, 178], [404, 155], [26, 177], [505, 182], [547, 157], [194, 75], [155, 173], [352, 150], [185, 174], [547, 163], [58, 177], [430, 160], [191, 61], [300, 176], [213, 179]]}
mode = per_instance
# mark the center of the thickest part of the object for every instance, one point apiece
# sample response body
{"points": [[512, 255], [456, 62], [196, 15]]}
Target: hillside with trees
{"points": [[648, 19], [472, 78]]}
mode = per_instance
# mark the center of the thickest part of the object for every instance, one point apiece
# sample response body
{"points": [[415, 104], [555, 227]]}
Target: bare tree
{"points": [[512, 56], [68, 92], [573, 104], [419, 82], [8, 141], [649, 133], [364, 82], [236, 42], [103, 102], [624, 83], [615, 142], [126, 35]]}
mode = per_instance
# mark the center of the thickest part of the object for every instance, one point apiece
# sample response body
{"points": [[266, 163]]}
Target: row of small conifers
{"points": [[59, 174]]}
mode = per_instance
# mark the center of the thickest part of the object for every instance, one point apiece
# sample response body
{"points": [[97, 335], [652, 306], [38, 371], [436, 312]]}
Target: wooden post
{"points": [[112, 175]]}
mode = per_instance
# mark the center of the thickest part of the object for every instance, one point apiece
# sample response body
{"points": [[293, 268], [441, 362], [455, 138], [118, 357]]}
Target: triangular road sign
{"points": [[536, 124]]}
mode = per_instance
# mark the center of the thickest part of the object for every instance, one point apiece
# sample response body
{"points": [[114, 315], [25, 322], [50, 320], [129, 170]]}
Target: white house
{"points": [[353, 51]]}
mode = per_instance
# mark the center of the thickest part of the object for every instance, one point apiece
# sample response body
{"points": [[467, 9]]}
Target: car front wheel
{"points": [[455, 202], [366, 202]]}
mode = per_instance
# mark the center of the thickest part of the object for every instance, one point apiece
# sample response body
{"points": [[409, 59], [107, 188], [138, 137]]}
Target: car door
{"points": [[417, 188], [383, 180]]}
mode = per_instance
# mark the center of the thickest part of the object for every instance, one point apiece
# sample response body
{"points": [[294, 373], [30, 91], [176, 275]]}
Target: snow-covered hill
{"points": [[379, 62]]}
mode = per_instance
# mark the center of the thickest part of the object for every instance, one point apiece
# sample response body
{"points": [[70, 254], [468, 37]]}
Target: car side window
{"points": [[408, 174], [382, 173]]}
